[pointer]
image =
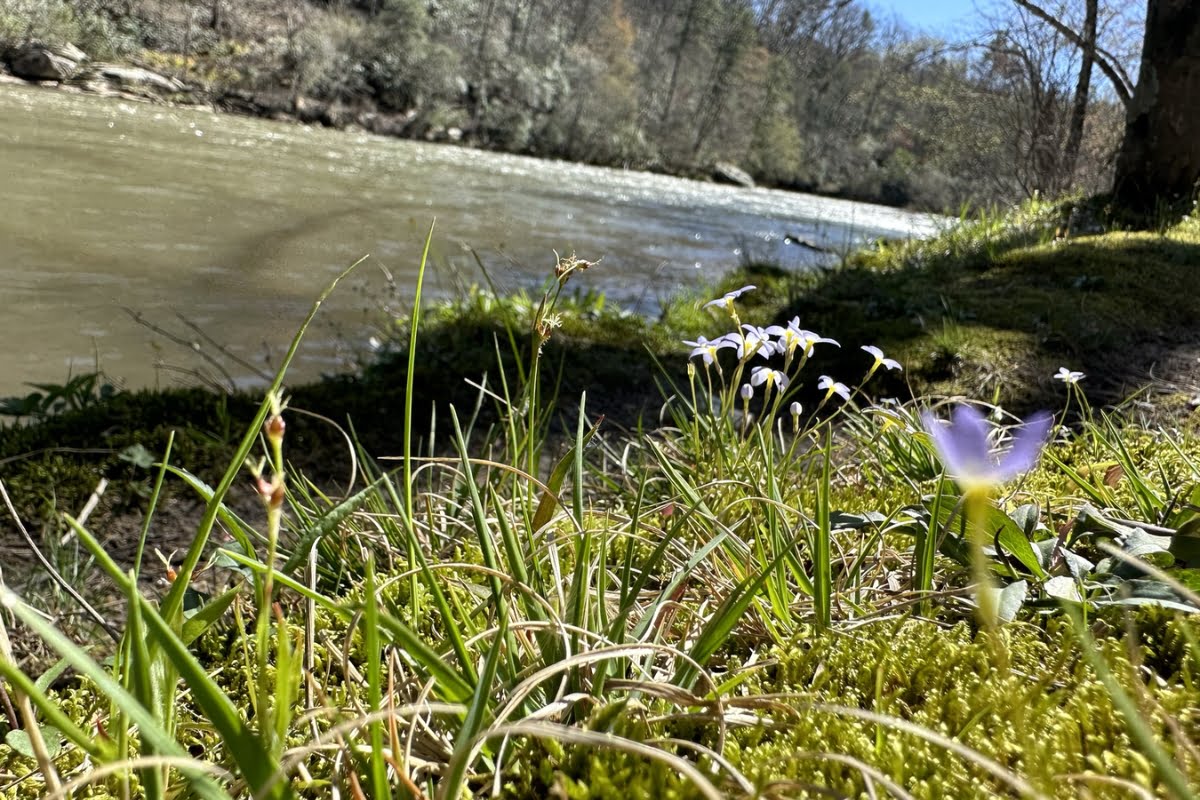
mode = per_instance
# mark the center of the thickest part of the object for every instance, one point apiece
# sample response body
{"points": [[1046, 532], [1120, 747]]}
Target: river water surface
{"points": [[235, 224]]}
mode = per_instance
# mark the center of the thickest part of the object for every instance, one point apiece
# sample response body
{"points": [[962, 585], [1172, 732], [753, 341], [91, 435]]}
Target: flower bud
{"points": [[274, 428]]}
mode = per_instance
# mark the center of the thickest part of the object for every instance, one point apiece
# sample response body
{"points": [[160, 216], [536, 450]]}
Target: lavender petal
{"points": [[1026, 446], [970, 433]]}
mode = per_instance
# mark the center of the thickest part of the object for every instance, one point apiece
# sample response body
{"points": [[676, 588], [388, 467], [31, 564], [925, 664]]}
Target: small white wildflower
{"points": [[771, 377], [726, 300], [832, 387], [754, 340], [808, 339], [1069, 377], [708, 349], [880, 359], [747, 391], [795, 409]]}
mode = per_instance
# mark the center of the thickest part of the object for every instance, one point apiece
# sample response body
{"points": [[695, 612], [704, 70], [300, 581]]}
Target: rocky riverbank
{"points": [[69, 68]]}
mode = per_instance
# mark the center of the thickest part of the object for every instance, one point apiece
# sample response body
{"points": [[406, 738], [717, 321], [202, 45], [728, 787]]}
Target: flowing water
{"points": [[224, 229]]}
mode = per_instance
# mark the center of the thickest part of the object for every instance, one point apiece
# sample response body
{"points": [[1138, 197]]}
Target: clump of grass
{"points": [[772, 594]]}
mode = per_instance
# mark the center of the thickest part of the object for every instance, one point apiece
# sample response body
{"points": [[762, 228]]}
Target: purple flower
{"points": [[965, 452]]}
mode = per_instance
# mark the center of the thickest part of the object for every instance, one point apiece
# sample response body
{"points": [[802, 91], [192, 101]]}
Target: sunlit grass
{"points": [[749, 596]]}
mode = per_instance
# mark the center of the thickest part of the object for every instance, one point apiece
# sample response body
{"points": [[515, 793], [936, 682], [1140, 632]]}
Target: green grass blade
{"points": [[142, 679], [926, 548], [1139, 730], [328, 523], [452, 684], [477, 711], [721, 624], [172, 604], [247, 751], [148, 726], [822, 542], [374, 679], [450, 618], [53, 715], [155, 494]]}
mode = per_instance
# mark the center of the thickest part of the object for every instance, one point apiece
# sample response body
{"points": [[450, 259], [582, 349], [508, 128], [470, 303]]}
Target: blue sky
{"points": [[933, 16]]}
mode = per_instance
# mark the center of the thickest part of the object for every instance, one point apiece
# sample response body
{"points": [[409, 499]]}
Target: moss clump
{"points": [[1043, 715]]}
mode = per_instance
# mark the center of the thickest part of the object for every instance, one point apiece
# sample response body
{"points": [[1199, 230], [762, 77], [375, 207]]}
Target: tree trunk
{"points": [[1159, 158], [1082, 91]]}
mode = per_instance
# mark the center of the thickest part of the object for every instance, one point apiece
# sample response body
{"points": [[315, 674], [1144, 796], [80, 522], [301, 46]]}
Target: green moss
{"points": [[984, 314]]}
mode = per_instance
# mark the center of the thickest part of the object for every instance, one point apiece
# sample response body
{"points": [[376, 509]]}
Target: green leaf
{"points": [[1077, 565], [204, 617], [1028, 519], [845, 520], [1009, 600], [172, 604], [246, 750], [19, 741], [327, 524], [51, 675], [1012, 539], [1185, 544], [545, 509], [476, 714], [1062, 587]]}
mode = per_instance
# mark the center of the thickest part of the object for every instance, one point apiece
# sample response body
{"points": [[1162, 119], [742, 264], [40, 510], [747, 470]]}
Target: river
{"points": [[223, 229]]}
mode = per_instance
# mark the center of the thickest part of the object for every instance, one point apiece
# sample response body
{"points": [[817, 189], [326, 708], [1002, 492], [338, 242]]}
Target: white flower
{"points": [[833, 387], [877, 354], [1069, 377], [808, 339], [708, 349], [747, 391], [795, 409], [726, 300], [771, 377], [754, 340]]}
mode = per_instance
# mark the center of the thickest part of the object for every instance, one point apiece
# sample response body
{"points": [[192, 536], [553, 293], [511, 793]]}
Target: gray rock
{"points": [[132, 78], [724, 172], [34, 62], [114, 79], [68, 51]]}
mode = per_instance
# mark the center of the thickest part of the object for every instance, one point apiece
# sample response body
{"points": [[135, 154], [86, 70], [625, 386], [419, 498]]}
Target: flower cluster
{"points": [[791, 343]]}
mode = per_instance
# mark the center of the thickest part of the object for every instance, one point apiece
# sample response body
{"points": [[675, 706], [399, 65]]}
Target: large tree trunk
{"points": [[1160, 155]]}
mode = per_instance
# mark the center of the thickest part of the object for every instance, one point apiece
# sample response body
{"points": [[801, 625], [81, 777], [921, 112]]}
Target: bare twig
{"points": [[225, 351], [58, 578], [182, 342], [1104, 60]]}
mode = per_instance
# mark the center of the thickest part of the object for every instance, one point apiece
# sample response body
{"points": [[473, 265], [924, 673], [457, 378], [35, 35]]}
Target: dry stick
{"points": [[36, 742], [182, 342], [224, 350], [198, 374], [59, 579]]}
